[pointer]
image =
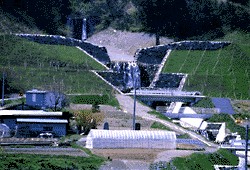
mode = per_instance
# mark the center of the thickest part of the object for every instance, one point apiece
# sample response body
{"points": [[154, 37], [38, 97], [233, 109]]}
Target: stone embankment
{"points": [[154, 55], [100, 53]]}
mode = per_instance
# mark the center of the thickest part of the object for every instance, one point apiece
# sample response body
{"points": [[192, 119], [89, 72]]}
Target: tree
{"points": [[54, 12], [56, 98], [157, 17], [87, 120]]}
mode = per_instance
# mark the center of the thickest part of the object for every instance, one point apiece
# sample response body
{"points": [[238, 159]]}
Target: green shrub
{"points": [[230, 124], [184, 136], [206, 161], [157, 125], [159, 115], [90, 99], [22, 146], [205, 103]]}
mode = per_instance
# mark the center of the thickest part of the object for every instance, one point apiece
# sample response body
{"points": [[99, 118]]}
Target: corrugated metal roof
{"points": [[36, 91], [132, 134], [27, 120], [28, 113]]}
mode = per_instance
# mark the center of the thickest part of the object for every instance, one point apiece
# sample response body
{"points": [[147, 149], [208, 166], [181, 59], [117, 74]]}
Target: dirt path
{"points": [[127, 103]]}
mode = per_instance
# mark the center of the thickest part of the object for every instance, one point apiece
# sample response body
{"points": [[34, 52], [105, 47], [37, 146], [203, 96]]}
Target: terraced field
{"points": [[215, 73]]}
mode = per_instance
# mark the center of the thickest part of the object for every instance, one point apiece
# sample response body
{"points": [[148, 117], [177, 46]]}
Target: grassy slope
{"points": [[27, 66], [219, 73]]}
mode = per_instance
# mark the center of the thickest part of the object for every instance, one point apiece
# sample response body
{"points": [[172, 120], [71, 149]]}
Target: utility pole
{"points": [[3, 90], [246, 147], [134, 103]]}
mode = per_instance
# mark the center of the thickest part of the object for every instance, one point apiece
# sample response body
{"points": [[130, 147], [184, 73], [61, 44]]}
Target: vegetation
{"points": [[32, 13], [87, 120], [199, 20], [230, 124], [103, 99], [157, 125], [159, 115], [22, 146], [217, 73], [205, 103], [71, 137], [28, 65], [31, 161], [199, 161], [206, 161], [184, 136]]}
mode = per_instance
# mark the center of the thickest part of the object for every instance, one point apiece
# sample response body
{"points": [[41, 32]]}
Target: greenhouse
{"points": [[131, 139], [4, 131]]}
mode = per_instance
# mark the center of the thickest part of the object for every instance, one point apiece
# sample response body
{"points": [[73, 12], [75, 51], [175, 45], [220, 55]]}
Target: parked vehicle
{"points": [[45, 135]]}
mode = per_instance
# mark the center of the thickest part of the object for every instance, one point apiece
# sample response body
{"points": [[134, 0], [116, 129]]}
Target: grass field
{"points": [[17, 161], [215, 73], [206, 161]]}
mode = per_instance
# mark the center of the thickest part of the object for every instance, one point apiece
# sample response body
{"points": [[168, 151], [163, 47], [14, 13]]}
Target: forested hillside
{"points": [[178, 19]]}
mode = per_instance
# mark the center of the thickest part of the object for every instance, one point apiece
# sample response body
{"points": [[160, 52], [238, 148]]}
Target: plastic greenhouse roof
{"points": [[132, 134], [4, 127]]}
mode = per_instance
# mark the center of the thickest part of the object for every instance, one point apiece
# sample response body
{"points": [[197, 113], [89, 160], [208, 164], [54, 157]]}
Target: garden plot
{"points": [[147, 155], [120, 120]]}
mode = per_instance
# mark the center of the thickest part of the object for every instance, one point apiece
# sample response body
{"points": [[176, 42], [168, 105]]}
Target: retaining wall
{"points": [[100, 53], [154, 55]]}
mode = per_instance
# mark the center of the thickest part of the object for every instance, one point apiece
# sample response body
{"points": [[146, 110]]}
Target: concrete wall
{"points": [[154, 55], [97, 52]]}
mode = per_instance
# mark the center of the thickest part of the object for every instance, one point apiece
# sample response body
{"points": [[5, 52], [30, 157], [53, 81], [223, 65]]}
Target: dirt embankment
{"points": [[122, 45]]}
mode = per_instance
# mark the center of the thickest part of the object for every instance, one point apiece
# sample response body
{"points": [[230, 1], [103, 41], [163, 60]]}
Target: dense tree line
{"points": [[47, 15], [181, 19]]}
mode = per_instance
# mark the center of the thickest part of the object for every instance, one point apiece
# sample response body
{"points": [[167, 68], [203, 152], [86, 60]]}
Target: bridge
{"points": [[166, 95]]}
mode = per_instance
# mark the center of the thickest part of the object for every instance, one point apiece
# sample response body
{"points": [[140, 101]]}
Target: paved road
{"points": [[127, 103]]}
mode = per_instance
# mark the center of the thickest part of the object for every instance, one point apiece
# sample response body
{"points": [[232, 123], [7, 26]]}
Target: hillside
{"points": [[9, 23], [215, 73], [31, 65]]}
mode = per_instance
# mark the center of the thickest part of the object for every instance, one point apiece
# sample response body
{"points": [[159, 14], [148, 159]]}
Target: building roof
{"points": [[36, 91], [28, 113], [131, 134], [224, 105], [28, 120]]}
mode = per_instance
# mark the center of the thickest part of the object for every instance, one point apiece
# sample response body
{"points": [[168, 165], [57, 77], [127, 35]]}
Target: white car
{"points": [[45, 135]]}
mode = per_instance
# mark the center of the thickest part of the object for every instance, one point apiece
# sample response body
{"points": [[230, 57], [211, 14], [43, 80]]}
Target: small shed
{"points": [[4, 131], [36, 98], [43, 99], [131, 139]]}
